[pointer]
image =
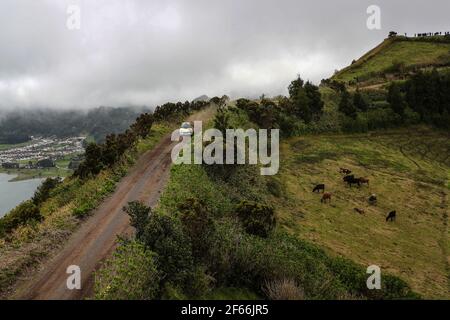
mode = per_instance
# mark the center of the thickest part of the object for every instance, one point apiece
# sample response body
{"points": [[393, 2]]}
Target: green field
{"points": [[12, 146], [409, 170], [61, 170], [412, 53]]}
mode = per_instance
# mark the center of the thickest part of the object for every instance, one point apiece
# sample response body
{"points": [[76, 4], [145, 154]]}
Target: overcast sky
{"points": [[139, 52]]}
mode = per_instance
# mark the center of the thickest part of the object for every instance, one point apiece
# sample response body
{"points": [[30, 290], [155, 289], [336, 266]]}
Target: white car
{"points": [[186, 129]]}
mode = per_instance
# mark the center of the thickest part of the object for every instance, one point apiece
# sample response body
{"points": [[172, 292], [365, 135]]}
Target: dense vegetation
{"points": [[221, 235]]}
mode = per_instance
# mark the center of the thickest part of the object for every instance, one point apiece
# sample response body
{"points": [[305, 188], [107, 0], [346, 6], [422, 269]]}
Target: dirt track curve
{"points": [[96, 238]]}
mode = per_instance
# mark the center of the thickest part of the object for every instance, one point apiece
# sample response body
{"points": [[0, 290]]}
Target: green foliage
{"points": [[139, 217], [164, 235], [395, 99], [222, 120], [354, 278], [43, 192], [346, 105], [257, 219], [315, 99], [198, 225], [24, 213], [131, 274], [300, 100], [142, 125], [359, 101], [428, 94]]}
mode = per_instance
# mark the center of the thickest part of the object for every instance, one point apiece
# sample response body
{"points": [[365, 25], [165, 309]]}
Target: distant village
{"points": [[42, 153]]}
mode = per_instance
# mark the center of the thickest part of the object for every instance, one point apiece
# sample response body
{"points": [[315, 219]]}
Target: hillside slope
{"points": [[397, 57]]}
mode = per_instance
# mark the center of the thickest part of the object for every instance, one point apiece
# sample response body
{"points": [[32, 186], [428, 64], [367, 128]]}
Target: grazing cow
{"points": [[345, 171], [360, 211], [364, 181], [326, 196], [352, 180], [373, 199], [391, 216], [319, 187]]}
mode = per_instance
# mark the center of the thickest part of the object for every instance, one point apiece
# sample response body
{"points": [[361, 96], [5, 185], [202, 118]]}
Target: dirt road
{"points": [[96, 238]]}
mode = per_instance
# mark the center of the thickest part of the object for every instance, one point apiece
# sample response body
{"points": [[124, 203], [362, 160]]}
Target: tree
{"points": [[256, 218], [92, 163], [395, 99], [139, 215], [143, 124], [359, 102], [315, 99], [242, 103], [300, 100], [222, 120], [346, 105]]}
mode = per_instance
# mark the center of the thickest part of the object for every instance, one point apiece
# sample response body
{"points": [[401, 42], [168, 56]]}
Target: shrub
{"points": [[24, 213], [139, 217], [164, 235], [354, 278], [198, 225], [284, 289], [83, 209], [43, 191], [130, 274], [257, 219]]}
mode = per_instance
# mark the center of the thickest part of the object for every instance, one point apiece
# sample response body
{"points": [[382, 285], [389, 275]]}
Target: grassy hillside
{"points": [[411, 53], [408, 170]]}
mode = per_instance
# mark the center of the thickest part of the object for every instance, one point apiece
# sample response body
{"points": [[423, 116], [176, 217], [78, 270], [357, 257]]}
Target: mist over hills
{"points": [[18, 126]]}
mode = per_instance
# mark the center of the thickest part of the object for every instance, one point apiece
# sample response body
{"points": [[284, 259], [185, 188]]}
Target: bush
{"points": [[257, 219], [198, 225], [130, 274], [83, 209], [354, 278], [139, 217], [43, 191], [26, 212], [284, 289], [164, 236]]}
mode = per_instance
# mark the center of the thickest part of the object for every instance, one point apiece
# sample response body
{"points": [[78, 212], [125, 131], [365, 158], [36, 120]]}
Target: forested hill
{"points": [[18, 126]]}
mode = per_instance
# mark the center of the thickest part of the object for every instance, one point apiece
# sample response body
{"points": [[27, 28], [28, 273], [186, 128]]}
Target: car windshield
{"points": [[186, 125]]}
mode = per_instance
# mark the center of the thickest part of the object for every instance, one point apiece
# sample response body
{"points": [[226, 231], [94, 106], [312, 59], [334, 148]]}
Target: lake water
{"points": [[13, 193]]}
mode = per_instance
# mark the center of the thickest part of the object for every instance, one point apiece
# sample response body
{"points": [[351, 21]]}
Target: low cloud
{"points": [[149, 52]]}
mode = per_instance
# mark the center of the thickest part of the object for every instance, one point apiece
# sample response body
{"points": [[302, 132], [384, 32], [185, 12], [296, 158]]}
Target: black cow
{"points": [[351, 180], [319, 187], [391, 216]]}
